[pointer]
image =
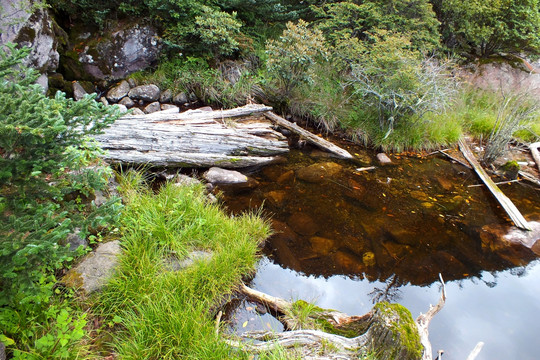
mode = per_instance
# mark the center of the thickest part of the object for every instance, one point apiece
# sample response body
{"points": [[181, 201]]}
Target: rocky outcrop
{"points": [[33, 27], [123, 50]]}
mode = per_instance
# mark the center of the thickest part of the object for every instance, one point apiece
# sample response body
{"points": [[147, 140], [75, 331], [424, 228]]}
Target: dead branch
{"points": [[423, 321]]}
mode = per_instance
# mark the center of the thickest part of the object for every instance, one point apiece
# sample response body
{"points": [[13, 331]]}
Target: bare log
{"points": [[193, 141], [535, 153], [505, 202], [423, 323], [312, 138]]}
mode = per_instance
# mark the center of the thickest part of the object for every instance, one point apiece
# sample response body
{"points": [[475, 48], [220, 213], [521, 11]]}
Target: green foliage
{"points": [[44, 180], [160, 230], [217, 30], [484, 27], [292, 57]]}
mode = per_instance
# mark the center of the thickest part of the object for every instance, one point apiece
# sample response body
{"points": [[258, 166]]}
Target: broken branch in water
{"points": [[498, 183]]}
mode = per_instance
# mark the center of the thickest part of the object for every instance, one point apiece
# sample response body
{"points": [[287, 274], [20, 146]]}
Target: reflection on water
{"points": [[345, 239]]}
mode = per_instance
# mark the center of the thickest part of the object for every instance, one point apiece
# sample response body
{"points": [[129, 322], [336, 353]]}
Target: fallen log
{"points": [[198, 139], [312, 138], [505, 202], [535, 154]]}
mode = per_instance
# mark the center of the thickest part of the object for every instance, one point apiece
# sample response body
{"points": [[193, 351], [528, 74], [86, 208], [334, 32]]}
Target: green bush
{"points": [[45, 180]]}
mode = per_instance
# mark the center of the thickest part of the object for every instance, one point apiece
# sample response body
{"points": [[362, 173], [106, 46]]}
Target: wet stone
{"points": [[445, 183], [322, 246], [368, 258], [302, 224], [318, 172], [419, 195], [276, 197], [286, 177], [217, 175], [383, 159], [348, 262]]}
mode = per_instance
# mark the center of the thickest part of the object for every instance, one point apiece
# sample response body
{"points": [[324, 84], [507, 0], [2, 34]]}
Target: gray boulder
{"points": [[93, 272], [180, 99], [152, 107], [166, 96], [122, 50], [217, 175], [148, 93], [78, 91], [137, 111], [127, 102], [118, 92]]}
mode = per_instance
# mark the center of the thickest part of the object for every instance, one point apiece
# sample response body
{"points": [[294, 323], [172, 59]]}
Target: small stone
{"points": [[276, 197], [78, 91], [445, 183], [122, 108], [302, 224], [419, 195], [322, 246], [368, 258], [118, 92], [136, 111], [166, 96], [318, 172], [205, 108], [383, 159], [180, 99], [104, 100], [217, 175], [152, 107], [349, 262], [74, 240], [148, 93], [286, 177], [127, 102], [132, 83], [184, 180], [170, 108]]}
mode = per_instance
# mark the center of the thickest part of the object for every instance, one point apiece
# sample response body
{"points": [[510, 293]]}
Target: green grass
{"points": [[166, 314]]}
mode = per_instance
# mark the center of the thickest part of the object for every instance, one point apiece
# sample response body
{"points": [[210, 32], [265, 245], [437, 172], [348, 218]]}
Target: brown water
{"points": [[346, 238]]}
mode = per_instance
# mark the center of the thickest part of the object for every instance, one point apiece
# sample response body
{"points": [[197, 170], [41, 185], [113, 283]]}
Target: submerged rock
{"points": [[349, 262], [276, 197], [322, 246], [318, 172], [302, 224]]}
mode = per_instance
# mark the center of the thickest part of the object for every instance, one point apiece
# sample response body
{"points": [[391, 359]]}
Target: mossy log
{"points": [[233, 138]]}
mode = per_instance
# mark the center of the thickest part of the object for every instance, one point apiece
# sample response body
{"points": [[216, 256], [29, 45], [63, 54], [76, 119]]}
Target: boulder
{"points": [[78, 91], [166, 96], [111, 54], [217, 175], [122, 108], [302, 224], [93, 272], [148, 93], [184, 180], [127, 102], [35, 29], [180, 99], [137, 111], [74, 240], [152, 107], [318, 172], [118, 91]]}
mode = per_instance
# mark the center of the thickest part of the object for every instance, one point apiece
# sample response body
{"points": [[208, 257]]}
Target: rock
{"points": [[368, 258], [302, 224], [348, 262], [93, 272], [205, 108], [513, 245], [152, 107], [419, 195], [43, 81], [276, 197], [180, 99], [104, 100], [192, 97], [283, 231], [174, 264], [166, 96], [132, 83], [137, 111], [445, 183], [127, 102], [217, 175], [118, 92], [112, 53], [282, 252], [286, 177], [27, 25], [170, 107], [78, 91], [148, 93], [74, 240], [356, 190], [322, 246], [318, 172], [122, 108], [383, 159], [184, 180]]}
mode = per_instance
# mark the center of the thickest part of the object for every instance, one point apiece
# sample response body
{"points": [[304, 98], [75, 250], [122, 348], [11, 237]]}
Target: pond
{"points": [[346, 237]]}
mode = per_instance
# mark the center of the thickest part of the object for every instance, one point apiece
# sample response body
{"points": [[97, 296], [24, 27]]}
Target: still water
{"points": [[346, 238]]}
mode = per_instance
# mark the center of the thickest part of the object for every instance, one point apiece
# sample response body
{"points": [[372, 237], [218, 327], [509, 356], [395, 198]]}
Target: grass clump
{"points": [[169, 314]]}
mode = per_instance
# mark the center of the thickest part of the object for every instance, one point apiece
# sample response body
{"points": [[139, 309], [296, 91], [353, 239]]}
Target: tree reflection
{"points": [[390, 292]]}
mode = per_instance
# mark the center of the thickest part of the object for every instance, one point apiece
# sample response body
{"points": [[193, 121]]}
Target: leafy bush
{"points": [[44, 180]]}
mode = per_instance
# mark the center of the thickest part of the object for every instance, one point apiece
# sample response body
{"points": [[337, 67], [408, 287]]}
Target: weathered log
{"points": [[535, 154], [387, 330], [312, 138], [423, 321], [203, 139], [505, 202]]}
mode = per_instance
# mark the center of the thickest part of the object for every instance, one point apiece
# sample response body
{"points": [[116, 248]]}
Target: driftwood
{"points": [[374, 331], [194, 139], [535, 154], [505, 202], [311, 138]]}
